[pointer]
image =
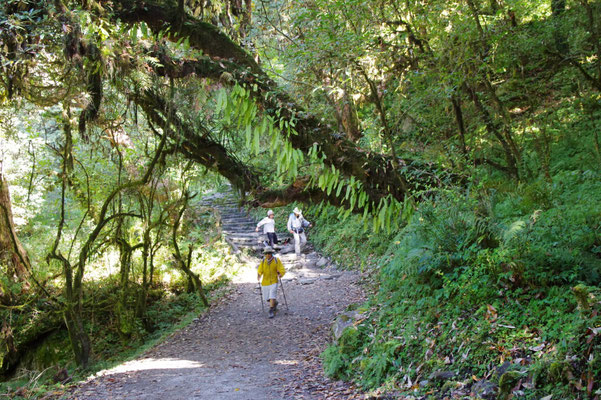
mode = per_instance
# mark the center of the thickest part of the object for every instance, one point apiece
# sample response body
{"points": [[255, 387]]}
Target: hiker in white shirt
{"points": [[296, 226], [268, 224]]}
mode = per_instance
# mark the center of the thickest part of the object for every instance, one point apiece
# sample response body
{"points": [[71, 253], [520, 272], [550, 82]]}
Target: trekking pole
{"points": [[284, 294], [261, 297]]}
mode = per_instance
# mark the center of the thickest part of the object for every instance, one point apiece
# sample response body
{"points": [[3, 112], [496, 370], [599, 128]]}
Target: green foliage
{"points": [[337, 357], [505, 94], [475, 280]]}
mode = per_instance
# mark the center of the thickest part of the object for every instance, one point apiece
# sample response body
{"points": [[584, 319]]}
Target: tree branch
{"points": [[379, 174]]}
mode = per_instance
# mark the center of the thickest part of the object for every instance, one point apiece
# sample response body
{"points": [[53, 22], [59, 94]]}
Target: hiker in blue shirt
{"points": [[296, 226]]}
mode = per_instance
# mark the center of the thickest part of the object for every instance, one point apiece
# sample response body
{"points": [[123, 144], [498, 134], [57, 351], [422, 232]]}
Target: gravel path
{"points": [[235, 352]]}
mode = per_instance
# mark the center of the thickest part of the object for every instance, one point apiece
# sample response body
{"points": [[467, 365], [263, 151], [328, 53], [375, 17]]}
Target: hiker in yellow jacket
{"points": [[270, 268]]}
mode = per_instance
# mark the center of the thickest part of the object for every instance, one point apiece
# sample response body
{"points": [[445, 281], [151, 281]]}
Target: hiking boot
{"points": [[271, 312]]}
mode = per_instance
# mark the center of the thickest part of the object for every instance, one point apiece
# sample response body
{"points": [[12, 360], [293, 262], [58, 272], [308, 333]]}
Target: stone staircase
{"points": [[238, 229]]}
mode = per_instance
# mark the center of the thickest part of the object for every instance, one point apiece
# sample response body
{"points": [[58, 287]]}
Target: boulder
{"points": [[484, 389], [322, 262], [441, 376], [287, 248], [501, 369], [293, 266], [450, 386], [507, 382], [343, 321]]}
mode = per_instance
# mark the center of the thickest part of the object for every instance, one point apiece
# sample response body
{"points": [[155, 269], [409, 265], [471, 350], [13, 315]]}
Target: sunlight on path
{"points": [[149, 364], [247, 274]]}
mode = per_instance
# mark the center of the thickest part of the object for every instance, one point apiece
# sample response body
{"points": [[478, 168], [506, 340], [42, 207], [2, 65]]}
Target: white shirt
{"points": [[295, 222], [268, 225]]}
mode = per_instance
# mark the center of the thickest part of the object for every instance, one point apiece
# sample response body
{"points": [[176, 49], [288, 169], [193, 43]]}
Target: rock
{"points": [[450, 385], [289, 248], [424, 383], [307, 281], [507, 382], [294, 266], [343, 321], [330, 277], [441, 376], [485, 389], [62, 376], [322, 262], [501, 369]]}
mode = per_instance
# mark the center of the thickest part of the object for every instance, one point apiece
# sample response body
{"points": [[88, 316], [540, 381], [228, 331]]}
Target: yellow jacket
{"points": [[270, 269]]}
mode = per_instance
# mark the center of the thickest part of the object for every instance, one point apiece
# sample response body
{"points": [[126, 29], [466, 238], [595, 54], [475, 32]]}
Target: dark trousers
{"points": [[272, 238]]}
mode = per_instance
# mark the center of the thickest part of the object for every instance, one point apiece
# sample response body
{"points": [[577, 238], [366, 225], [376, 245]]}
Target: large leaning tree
{"points": [[101, 59]]}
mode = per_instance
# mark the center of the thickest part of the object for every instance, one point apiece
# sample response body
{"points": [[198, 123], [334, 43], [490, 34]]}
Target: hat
{"points": [[296, 210], [268, 250], [270, 212]]}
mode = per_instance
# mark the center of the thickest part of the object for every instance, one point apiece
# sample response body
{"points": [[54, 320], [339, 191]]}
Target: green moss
{"points": [[507, 382], [582, 296], [558, 372]]}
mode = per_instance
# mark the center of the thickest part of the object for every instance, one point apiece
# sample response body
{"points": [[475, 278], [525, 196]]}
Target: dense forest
{"points": [[448, 150]]}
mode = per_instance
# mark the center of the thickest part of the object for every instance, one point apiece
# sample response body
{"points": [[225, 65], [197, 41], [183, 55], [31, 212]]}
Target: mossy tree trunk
{"points": [[184, 263], [74, 272], [13, 257]]}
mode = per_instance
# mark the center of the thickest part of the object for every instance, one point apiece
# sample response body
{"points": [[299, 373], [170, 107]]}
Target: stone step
{"points": [[242, 241], [243, 234], [235, 232], [238, 228], [233, 215], [231, 212], [252, 240], [291, 257], [242, 227], [228, 206], [219, 203], [231, 207], [254, 234], [260, 242], [237, 221]]}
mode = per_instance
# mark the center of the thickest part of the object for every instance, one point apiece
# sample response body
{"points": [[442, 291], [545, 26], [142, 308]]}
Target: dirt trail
{"points": [[234, 351]]}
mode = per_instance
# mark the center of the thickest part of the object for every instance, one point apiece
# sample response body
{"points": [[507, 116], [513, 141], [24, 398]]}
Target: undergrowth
{"points": [[486, 285], [171, 304]]}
